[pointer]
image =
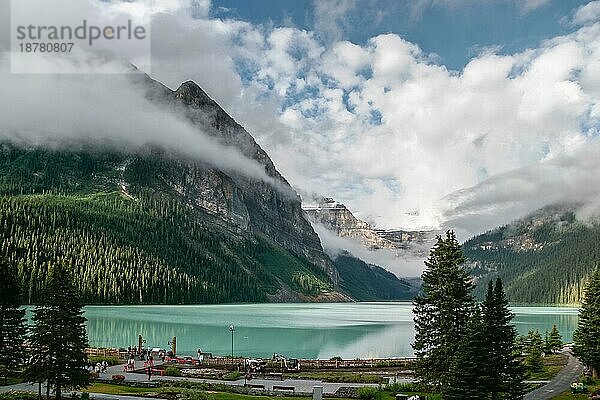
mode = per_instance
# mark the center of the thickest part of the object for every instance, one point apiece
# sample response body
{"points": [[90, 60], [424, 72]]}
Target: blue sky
{"points": [[422, 113], [456, 33], [462, 114], [348, 101]]}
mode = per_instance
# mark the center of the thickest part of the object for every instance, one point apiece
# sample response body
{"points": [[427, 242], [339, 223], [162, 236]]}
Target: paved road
{"points": [[561, 382]]}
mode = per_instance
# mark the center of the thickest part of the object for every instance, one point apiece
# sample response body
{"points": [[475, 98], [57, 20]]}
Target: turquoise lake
{"points": [[348, 330]]}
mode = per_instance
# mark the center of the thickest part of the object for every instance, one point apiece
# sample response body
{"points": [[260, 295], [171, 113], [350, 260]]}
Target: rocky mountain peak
{"points": [[338, 218], [190, 93]]}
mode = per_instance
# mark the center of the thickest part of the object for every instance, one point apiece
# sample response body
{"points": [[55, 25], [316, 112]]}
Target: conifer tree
{"points": [[554, 342], [547, 348], [504, 373], [534, 349], [12, 320], [466, 377], [586, 339], [441, 311], [58, 338], [534, 360]]}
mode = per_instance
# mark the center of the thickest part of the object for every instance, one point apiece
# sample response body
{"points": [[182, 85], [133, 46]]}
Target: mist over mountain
{"points": [[184, 207], [545, 257], [399, 251]]}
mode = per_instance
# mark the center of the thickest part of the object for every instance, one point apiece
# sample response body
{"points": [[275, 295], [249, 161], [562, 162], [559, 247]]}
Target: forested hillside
{"points": [[370, 282], [147, 251], [150, 225], [544, 258]]}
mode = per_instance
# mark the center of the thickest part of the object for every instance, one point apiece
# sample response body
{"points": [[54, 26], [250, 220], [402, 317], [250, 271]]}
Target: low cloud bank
{"points": [[404, 264], [573, 178], [59, 111]]}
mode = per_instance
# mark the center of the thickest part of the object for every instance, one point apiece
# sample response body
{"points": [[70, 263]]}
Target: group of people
{"points": [[144, 353], [149, 361], [100, 367], [130, 365], [147, 357]]}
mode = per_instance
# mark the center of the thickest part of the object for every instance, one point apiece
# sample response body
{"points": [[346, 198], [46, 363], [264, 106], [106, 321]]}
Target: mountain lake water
{"points": [[349, 330]]}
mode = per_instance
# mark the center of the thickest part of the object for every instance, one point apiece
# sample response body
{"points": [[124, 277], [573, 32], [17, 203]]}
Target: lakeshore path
{"points": [[299, 385], [561, 382]]}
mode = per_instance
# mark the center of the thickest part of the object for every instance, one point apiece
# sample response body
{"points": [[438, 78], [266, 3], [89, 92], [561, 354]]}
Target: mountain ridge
{"points": [[338, 218], [172, 229], [544, 257]]}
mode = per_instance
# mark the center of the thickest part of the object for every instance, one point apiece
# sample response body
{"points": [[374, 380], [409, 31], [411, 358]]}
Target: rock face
{"points": [[337, 218], [249, 204], [191, 232]]}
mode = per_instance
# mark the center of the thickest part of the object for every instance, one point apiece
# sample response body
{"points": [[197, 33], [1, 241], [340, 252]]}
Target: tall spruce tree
{"points": [[12, 320], [554, 342], [504, 373], [534, 347], [58, 338], [441, 312], [586, 339], [466, 378]]}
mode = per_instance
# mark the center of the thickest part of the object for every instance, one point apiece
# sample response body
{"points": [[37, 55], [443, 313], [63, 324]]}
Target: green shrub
{"points": [[232, 376], [391, 363], [368, 393], [218, 387], [172, 371], [196, 395], [15, 395], [404, 387]]}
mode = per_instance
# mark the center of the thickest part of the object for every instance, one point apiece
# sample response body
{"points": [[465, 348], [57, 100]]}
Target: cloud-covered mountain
{"points": [[545, 257], [400, 251], [83, 185], [382, 124]]}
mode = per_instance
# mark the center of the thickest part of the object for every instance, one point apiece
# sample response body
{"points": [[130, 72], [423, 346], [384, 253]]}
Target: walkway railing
{"points": [[304, 363]]}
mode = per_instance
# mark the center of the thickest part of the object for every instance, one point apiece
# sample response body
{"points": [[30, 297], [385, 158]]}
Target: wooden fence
{"points": [[102, 352], [228, 362], [357, 363]]}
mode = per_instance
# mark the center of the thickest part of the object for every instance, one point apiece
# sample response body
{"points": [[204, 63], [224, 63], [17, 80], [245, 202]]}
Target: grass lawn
{"points": [[546, 374], [11, 380], [553, 363], [108, 388]]}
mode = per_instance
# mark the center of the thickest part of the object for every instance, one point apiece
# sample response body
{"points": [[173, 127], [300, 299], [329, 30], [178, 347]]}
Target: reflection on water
{"points": [[296, 330], [299, 330], [542, 319]]}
